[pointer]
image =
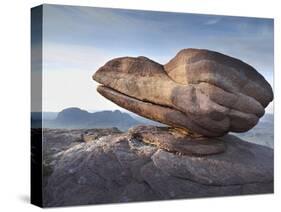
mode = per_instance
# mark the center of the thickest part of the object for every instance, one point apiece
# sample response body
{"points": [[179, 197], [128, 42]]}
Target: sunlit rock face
{"points": [[199, 91]]}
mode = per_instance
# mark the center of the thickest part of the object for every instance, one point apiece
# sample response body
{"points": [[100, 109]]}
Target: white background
{"points": [[15, 103]]}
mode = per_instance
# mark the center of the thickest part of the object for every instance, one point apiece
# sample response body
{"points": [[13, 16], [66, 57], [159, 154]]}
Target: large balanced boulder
{"points": [[200, 91], [120, 168]]}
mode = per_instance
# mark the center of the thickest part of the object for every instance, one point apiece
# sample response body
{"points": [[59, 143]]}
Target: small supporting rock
{"points": [[173, 140], [90, 135]]}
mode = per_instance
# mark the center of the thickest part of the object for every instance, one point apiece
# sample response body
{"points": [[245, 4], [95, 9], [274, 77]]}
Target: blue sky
{"points": [[78, 40]]}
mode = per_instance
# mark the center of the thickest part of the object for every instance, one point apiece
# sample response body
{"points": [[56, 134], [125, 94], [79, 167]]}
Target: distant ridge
{"points": [[73, 118], [76, 118]]}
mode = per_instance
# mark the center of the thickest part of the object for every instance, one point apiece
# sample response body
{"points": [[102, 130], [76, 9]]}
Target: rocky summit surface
{"points": [[112, 167]]}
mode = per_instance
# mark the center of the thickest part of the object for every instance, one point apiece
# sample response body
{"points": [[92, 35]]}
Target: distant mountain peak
{"points": [[73, 109], [75, 117], [72, 114]]}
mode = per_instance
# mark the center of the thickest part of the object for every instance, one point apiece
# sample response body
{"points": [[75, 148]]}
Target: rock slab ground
{"points": [[114, 168]]}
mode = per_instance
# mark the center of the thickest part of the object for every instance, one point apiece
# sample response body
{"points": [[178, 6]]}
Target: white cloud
{"points": [[212, 21]]}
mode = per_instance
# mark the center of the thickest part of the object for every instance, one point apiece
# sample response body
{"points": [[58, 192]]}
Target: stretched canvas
{"points": [[132, 105]]}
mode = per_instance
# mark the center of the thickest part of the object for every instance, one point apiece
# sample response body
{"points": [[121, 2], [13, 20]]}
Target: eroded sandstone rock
{"points": [[118, 168], [241, 163], [175, 141], [199, 90]]}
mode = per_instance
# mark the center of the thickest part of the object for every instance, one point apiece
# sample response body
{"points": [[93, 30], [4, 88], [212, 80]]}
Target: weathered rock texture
{"points": [[198, 90], [173, 140], [119, 168]]}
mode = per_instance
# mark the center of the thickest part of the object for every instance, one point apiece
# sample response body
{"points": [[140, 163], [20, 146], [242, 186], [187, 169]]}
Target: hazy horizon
{"points": [[78, 40], [99, 110]]}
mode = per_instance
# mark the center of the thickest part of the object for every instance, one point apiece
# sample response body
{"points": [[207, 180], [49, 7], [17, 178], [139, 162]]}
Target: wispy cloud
{"points": [[212, 21]]}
